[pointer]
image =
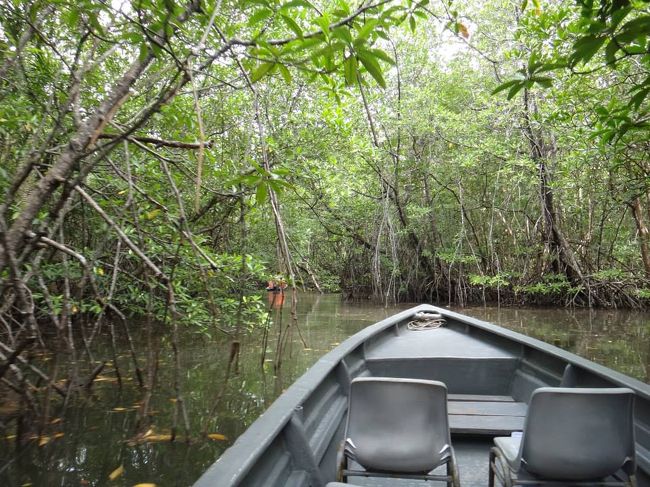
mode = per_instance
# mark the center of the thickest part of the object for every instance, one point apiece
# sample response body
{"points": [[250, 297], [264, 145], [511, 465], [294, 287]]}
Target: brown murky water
{"points": [[93, 437]]}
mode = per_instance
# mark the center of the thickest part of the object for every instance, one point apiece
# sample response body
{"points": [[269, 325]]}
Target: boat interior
{"points": [[490, 376]]}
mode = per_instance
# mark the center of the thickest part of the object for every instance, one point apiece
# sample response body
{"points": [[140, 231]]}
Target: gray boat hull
{"points": [[490, 373]]}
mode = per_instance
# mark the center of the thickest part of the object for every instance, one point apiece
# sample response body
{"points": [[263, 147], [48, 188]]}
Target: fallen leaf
{"points": [[116, 473], [217, 437], [144, 485], [158, 438], [463, 30], [119, 410], [103, 378], [149, 432], [44, 440]]}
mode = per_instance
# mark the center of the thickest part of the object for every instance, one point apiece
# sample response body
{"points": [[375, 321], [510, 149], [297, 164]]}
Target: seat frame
{"points": [[343, 472], [345, 454], [500, 469]]}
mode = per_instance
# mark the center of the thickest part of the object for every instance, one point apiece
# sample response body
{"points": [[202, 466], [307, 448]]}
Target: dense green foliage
{"points": [[161, 160]]}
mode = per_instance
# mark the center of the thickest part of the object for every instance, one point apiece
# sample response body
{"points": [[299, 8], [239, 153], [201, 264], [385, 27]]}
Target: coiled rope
{"points": [[425, 321]]}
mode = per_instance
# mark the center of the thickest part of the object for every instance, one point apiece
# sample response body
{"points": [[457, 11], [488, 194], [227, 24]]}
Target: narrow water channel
{"points": [[95, 440]]}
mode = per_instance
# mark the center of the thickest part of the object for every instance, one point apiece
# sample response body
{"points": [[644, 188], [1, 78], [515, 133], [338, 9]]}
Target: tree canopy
{"points": [[163, 159]]}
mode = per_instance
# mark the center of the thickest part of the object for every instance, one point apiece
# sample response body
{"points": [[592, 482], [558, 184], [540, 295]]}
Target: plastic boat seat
{"points": [[397, 428], [571, 435]]}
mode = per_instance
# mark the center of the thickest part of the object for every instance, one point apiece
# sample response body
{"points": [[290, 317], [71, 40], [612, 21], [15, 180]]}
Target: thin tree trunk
{"points": [[644, 234]]}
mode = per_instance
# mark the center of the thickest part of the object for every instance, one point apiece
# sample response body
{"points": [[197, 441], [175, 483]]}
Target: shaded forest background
{"points": [[162, 160]]}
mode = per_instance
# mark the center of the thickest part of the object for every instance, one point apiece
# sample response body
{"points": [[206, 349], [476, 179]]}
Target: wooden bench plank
{"points": [[469, 408], [485, 425], [482, 417], [479, 397]]}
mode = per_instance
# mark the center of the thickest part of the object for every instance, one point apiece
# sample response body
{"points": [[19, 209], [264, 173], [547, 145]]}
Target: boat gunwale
{"points": [[235, 463], [602, 371], [229, 466]]}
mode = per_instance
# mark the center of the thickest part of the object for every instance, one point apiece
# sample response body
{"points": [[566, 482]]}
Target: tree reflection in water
{"points": [[227, 389]]}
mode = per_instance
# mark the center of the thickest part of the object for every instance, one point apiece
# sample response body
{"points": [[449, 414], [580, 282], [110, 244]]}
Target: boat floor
{"points": [[471, 455]]}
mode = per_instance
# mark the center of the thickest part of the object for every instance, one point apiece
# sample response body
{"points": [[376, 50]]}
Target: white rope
{"points": [[426, 321]]}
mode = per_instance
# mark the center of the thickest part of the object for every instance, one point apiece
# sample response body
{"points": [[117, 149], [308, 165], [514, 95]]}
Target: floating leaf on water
{"points": [[104, 378], [116, 473], [217, 437], [158, 438]]}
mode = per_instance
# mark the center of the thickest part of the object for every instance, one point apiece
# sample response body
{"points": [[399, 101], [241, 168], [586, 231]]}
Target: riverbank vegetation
{"points": [[161, 160]]}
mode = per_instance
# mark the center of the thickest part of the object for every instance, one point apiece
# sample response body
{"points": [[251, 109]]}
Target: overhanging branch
{"points": [[160, 142]]}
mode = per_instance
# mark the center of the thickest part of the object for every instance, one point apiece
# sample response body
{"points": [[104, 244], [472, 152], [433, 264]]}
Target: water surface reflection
{"points": [[98, 431]]}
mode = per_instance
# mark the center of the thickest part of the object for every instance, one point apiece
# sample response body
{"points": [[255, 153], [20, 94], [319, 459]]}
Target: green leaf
{"points": [[551, 67], [278, 185], [637, 99], [383, 55], [372, 66], [350, 67], [586, 47], [286, 74], [143, 51], [367, 29], [544, 81], [261, 71], [412, 23], [505, 86], [610, 52], [293, 25], [297, 3], [282, 171], [344, 7], [618, 16], [515, 89], [324, 24], [261, 193], [94, 22], [71, 18], [302, 45], [259, 16], [637, 27], [342, 33]]}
